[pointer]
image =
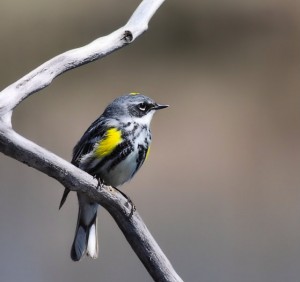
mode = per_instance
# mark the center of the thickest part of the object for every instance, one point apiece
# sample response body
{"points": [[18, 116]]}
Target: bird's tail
{"points": [[86, 241]]}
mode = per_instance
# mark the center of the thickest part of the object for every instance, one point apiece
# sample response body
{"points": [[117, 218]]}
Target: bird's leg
{"points": [[133, 208]]}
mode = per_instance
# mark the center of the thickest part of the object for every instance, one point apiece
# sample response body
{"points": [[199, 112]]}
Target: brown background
{"points": [[221, 189]]}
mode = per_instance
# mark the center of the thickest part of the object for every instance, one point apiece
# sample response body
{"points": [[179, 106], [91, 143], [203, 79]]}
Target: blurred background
{"points": [[220, 191]]}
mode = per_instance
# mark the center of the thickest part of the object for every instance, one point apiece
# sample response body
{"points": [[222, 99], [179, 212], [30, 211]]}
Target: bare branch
{"points": [[14, 145], [43, 75]]}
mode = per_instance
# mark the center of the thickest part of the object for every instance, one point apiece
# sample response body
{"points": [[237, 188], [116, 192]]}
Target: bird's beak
{"points": [[159, 107]]}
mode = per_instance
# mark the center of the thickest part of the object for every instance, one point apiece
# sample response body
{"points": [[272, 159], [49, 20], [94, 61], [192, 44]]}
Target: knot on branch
{"points": [[127, 36]]}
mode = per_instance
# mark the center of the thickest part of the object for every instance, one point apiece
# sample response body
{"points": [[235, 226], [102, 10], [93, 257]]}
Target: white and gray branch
{"points": [[16, 146]]}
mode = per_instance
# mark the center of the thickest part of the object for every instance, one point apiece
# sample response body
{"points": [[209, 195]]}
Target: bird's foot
{"points": [[129, 201], [100, 184]]}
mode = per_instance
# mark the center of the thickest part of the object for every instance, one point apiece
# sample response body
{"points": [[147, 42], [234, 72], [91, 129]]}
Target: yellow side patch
{"points": [[147, 154], [112, 138], [134, 93]]}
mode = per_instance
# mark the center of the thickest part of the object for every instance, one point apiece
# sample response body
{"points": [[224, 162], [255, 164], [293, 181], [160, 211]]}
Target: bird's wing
{"points": [[93, 134]]}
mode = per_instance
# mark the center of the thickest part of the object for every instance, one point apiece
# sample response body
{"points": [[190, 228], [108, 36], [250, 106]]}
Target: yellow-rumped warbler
{"points": [[112, 149]]}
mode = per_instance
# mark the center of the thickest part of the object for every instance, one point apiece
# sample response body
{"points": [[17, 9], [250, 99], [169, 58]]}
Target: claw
{"points": [[100, 184], [129, 201]]}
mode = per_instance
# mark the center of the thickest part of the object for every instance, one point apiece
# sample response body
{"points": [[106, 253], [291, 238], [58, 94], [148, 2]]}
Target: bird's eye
{"points": [[142, 107]]}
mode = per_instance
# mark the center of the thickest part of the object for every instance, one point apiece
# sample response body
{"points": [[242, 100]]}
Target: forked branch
{"points": [[16, 146]]}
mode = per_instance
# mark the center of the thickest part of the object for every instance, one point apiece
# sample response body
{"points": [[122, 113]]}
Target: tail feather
{"points": [[64, 197], [79, 244], [85, 241], [92, 245]]}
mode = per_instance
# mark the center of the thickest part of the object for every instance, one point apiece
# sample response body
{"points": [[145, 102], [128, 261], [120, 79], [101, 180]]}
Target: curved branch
{"points": [[43, 75], [14, 145]]}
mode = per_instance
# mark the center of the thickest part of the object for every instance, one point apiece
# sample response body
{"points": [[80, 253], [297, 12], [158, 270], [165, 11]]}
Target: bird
{"points": [[112, 149]]}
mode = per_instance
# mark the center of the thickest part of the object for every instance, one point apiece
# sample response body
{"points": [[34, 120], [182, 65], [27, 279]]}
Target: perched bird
{"points": [[112, 149]]}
